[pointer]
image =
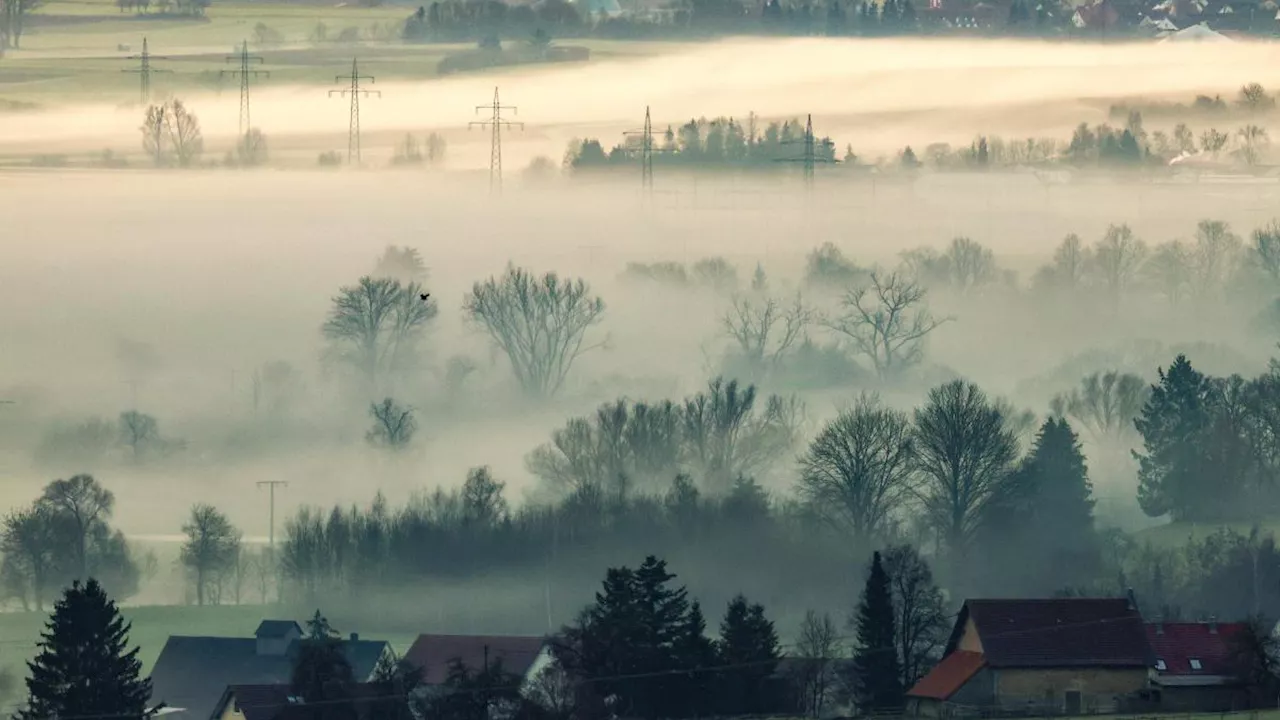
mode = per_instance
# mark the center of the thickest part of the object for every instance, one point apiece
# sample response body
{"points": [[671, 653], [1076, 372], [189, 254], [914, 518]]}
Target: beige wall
{"points": [[969, 640], [1098, 687], [231, 711]]}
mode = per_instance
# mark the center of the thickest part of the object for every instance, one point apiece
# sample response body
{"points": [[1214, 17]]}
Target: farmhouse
{"points": [[521, 655], [277, 702], [1038, 657], [193, 674], [1195, 668]]}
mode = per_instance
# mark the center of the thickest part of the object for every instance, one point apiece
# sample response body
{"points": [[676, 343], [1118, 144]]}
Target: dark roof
{"points": [[1057, 632], [948, 676], [276, 628], [276, 701], [1178, 643], [434, 653], [192, 672]]}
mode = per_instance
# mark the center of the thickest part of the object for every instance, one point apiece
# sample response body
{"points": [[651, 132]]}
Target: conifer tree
{"points": [[83, 667], [1063, 495], [1173, 473], [878, 680], [748, 650], [321, 672]]}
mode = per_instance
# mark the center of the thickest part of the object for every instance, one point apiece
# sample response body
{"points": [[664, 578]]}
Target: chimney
{"points": [[355, 637]]}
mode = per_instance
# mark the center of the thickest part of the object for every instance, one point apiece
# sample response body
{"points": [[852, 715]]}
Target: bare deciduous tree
{"points": [[1170, 269], [817, 649], [1117, 258], [920, 615], [375, 326], [965, 454], [13, 20], [393, 425], [1067, 269], [970, 264], [540, 323], [1266, 249], [211, 550], [28, 546], [1213, 140], [859, 469], [1217, 254], [184, 136], [139, 431], [1254, 98], [1105, 403], [84, 504], [153, 134], [887, 322], [725, 438], [1254, 142], [764, 330]]}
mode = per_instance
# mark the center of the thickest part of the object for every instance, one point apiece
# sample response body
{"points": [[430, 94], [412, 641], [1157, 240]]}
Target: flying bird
{"points": [[424, 296]]}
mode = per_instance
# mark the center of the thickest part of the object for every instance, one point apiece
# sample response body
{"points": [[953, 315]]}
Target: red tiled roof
{"points": [[434, 653], [1057, 632], [948, 676], [1178, 643]]}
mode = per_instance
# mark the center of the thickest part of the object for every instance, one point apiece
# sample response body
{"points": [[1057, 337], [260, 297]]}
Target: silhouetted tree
{"points": [[393, 425], [878, 675], [886, 322], [817, 649], [83, 667], [920, 618], [1105, 403], [322, 675], [211, 551], [375, 326], [1174, 476], [749, 649]]}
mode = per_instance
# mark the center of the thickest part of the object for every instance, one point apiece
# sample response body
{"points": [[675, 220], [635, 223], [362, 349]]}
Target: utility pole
{"points": [[647, 149], [271, 532], [496, 122], [144, 70], [245, 60], [810, 157], [355, 91]]}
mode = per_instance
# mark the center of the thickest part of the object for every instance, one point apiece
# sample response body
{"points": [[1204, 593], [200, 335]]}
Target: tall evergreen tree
{"points": [[748, 651], [1174, 476], [1061, 490], [322, 674], [878, 679], [83, 667]]}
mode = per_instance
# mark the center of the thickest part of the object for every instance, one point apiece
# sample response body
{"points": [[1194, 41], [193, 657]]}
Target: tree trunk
{"points": [[200, 586]]}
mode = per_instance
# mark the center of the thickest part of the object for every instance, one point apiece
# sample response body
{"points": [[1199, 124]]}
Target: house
{"points": [[1195, 668], [1039, 657], [276, 701], [193, 673], [521, 655]]}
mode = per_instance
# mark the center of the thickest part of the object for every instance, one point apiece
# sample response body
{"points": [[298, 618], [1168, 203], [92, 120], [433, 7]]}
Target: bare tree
{"points": [[393, 425], [970, 264], [817, 649], [724, 438], [540, 323], [482, 501], [1105, 403], [1170, 268], [13, 15], [401, 263], [251, 150], [764, 330], [153, 134], [84, 505], [965, 454], [183, 130], [375, 326], [1254, 142], [1116, 260], [920, 615], [887, 322], [1266, 249], [211, 550], [859, 469], [1069, 265], [1183, 139], [28, 545], [139, 431], [1254, 98], [1217, 255], [554, 690], [1213, 140]]}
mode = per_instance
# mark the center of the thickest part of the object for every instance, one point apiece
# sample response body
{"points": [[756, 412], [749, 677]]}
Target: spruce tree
{"points": [[748, 650], [83, 667], [878, 680], [321, 672], [1063, 495], [1174, 476]]}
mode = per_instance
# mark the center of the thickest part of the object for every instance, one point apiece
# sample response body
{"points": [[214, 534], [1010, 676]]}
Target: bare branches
{"points": [[817, 649], [1105, 403], [540, 323], [1117, 259], [393, 425], [886, 322], [859, 469], [764, 330], [375, 325]]}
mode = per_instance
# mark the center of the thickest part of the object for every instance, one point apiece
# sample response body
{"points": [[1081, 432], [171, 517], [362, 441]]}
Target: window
{"points": [[1195, 664], [1161, 666]]}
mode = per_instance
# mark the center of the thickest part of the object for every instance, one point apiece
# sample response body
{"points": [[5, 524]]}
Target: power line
{"points": [[647, 149], [271, 531], [144, 70], [355, 91], [245, 60], [810, 157], [496, 122]]}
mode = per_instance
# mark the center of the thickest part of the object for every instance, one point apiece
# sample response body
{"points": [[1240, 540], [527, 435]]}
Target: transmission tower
{"points": [[355, 91], [496, 122], [144, 70], [810, 157], [647, 149], [244, 73]]}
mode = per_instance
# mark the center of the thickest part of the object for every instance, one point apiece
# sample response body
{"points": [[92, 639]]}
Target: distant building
{"points": [[1069, 656], [193, 673], [277, 702], [1195, 670], [518, 654]]}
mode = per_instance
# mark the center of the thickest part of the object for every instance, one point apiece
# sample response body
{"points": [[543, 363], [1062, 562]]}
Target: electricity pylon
{"points": [[144, 70], [245, 60], [271, 486], [496, 123], [355, 91], [810, 156], [647, 149]]}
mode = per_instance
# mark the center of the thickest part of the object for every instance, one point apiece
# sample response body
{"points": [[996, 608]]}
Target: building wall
{"points": [[1204, 699], [1046, 688], [969, 640], [231, 711]]}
